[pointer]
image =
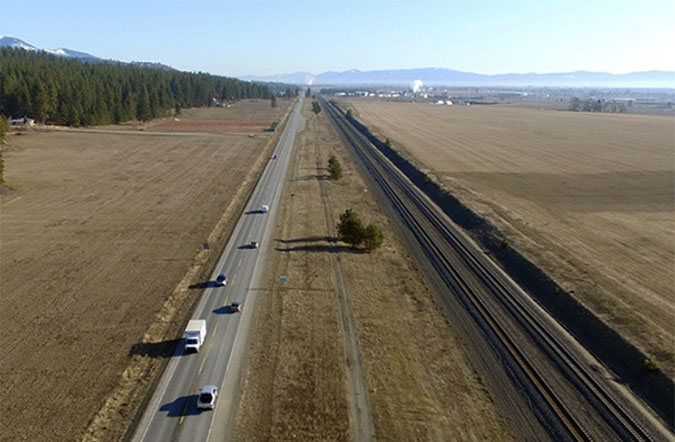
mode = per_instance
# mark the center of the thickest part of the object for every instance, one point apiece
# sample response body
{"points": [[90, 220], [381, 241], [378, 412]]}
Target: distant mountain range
{"points": [[13, 42], [449, 77], [428, 76]]}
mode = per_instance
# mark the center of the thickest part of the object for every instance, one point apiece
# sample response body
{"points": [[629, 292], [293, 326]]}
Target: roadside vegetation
{"points": [[4, 128], [352, 231], [335, 168]]}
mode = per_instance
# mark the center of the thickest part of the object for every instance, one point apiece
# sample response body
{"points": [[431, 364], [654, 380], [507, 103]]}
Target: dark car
{"points": [[221, 280]]}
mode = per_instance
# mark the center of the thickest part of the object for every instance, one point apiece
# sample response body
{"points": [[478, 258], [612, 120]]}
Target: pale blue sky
{"points": [[267, 37]]}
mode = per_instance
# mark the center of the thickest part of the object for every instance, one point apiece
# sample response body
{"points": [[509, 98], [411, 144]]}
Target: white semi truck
{"points": [[195, 333]]}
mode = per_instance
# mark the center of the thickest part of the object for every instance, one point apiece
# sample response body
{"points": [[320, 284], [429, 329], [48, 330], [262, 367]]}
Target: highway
{"points": [[171, 414], [554, 377]]}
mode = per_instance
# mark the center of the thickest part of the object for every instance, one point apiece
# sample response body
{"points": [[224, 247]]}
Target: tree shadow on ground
{"points": [[312, 177], [163, 349], [183, 406], [308, 239], [321, 248]]}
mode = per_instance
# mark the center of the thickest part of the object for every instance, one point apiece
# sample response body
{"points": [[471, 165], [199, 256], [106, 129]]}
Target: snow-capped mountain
{"points": [[13, 42]]}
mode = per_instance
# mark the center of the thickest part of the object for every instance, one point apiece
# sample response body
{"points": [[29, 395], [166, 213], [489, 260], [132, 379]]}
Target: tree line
{"points": [[68, 91], [600, 105]]}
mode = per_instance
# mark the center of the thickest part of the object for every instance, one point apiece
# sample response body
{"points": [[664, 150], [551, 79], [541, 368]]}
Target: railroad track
{"points": [[427, 225]]}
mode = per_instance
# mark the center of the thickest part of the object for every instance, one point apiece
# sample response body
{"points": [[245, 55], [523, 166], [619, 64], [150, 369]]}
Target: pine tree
{"points": [[350, 228], [143, 112], [372, 237]]}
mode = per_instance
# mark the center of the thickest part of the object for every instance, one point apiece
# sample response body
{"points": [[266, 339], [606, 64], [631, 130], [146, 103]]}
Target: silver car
{"points": [[207, 397]]}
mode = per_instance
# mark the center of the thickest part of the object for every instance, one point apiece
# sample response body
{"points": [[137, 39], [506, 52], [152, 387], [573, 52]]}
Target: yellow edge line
{"points": [[214, 330], [182, 417], [225, 303], [201, 366]]}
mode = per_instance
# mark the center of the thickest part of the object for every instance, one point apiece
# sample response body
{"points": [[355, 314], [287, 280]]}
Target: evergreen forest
{"points": [[67, 91]]}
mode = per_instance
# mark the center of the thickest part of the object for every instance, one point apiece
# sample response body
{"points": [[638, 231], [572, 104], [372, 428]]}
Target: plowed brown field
{"points": [[590, 198], [96, 232]]}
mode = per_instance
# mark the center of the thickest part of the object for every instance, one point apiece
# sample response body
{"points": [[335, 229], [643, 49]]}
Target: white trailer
{"points": [[195, 333]]}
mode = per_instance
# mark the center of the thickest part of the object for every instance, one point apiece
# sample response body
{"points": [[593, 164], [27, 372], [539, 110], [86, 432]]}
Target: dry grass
{"points": [[588, 197], [421, 387], [95, 235]]}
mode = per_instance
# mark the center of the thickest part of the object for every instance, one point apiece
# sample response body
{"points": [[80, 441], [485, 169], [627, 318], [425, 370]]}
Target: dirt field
{"points": [[96, 233], [419, 384], [590, 198]]}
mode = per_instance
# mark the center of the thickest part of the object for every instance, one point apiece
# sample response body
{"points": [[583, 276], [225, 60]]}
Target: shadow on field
{"points": [[183, 406], [308, 239], [312, 177], [163, 349], [320, 248]]}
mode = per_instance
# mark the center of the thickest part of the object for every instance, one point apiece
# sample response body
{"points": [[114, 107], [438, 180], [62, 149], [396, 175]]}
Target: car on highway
{"points": [[207, 397], [264, 208], [254, 244], [221, 279], [235, 307], [274, 157]]}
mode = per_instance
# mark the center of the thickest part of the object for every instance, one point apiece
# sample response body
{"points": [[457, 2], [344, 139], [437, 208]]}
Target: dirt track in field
{"points": [[590, 198], [96, 232], [420, 386]]}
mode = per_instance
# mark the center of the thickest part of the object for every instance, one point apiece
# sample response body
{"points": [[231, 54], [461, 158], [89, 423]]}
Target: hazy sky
{"points": [[268, 37]]}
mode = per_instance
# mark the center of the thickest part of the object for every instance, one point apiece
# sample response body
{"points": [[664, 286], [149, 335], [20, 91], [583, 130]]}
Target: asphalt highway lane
{"points": [[171, 414]]}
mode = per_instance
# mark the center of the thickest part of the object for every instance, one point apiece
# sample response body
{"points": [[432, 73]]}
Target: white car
{"points": [[264, 208], [207, 397]]}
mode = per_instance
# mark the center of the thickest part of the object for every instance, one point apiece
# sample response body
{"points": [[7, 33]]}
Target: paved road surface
{"points": [[172, 414]]}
